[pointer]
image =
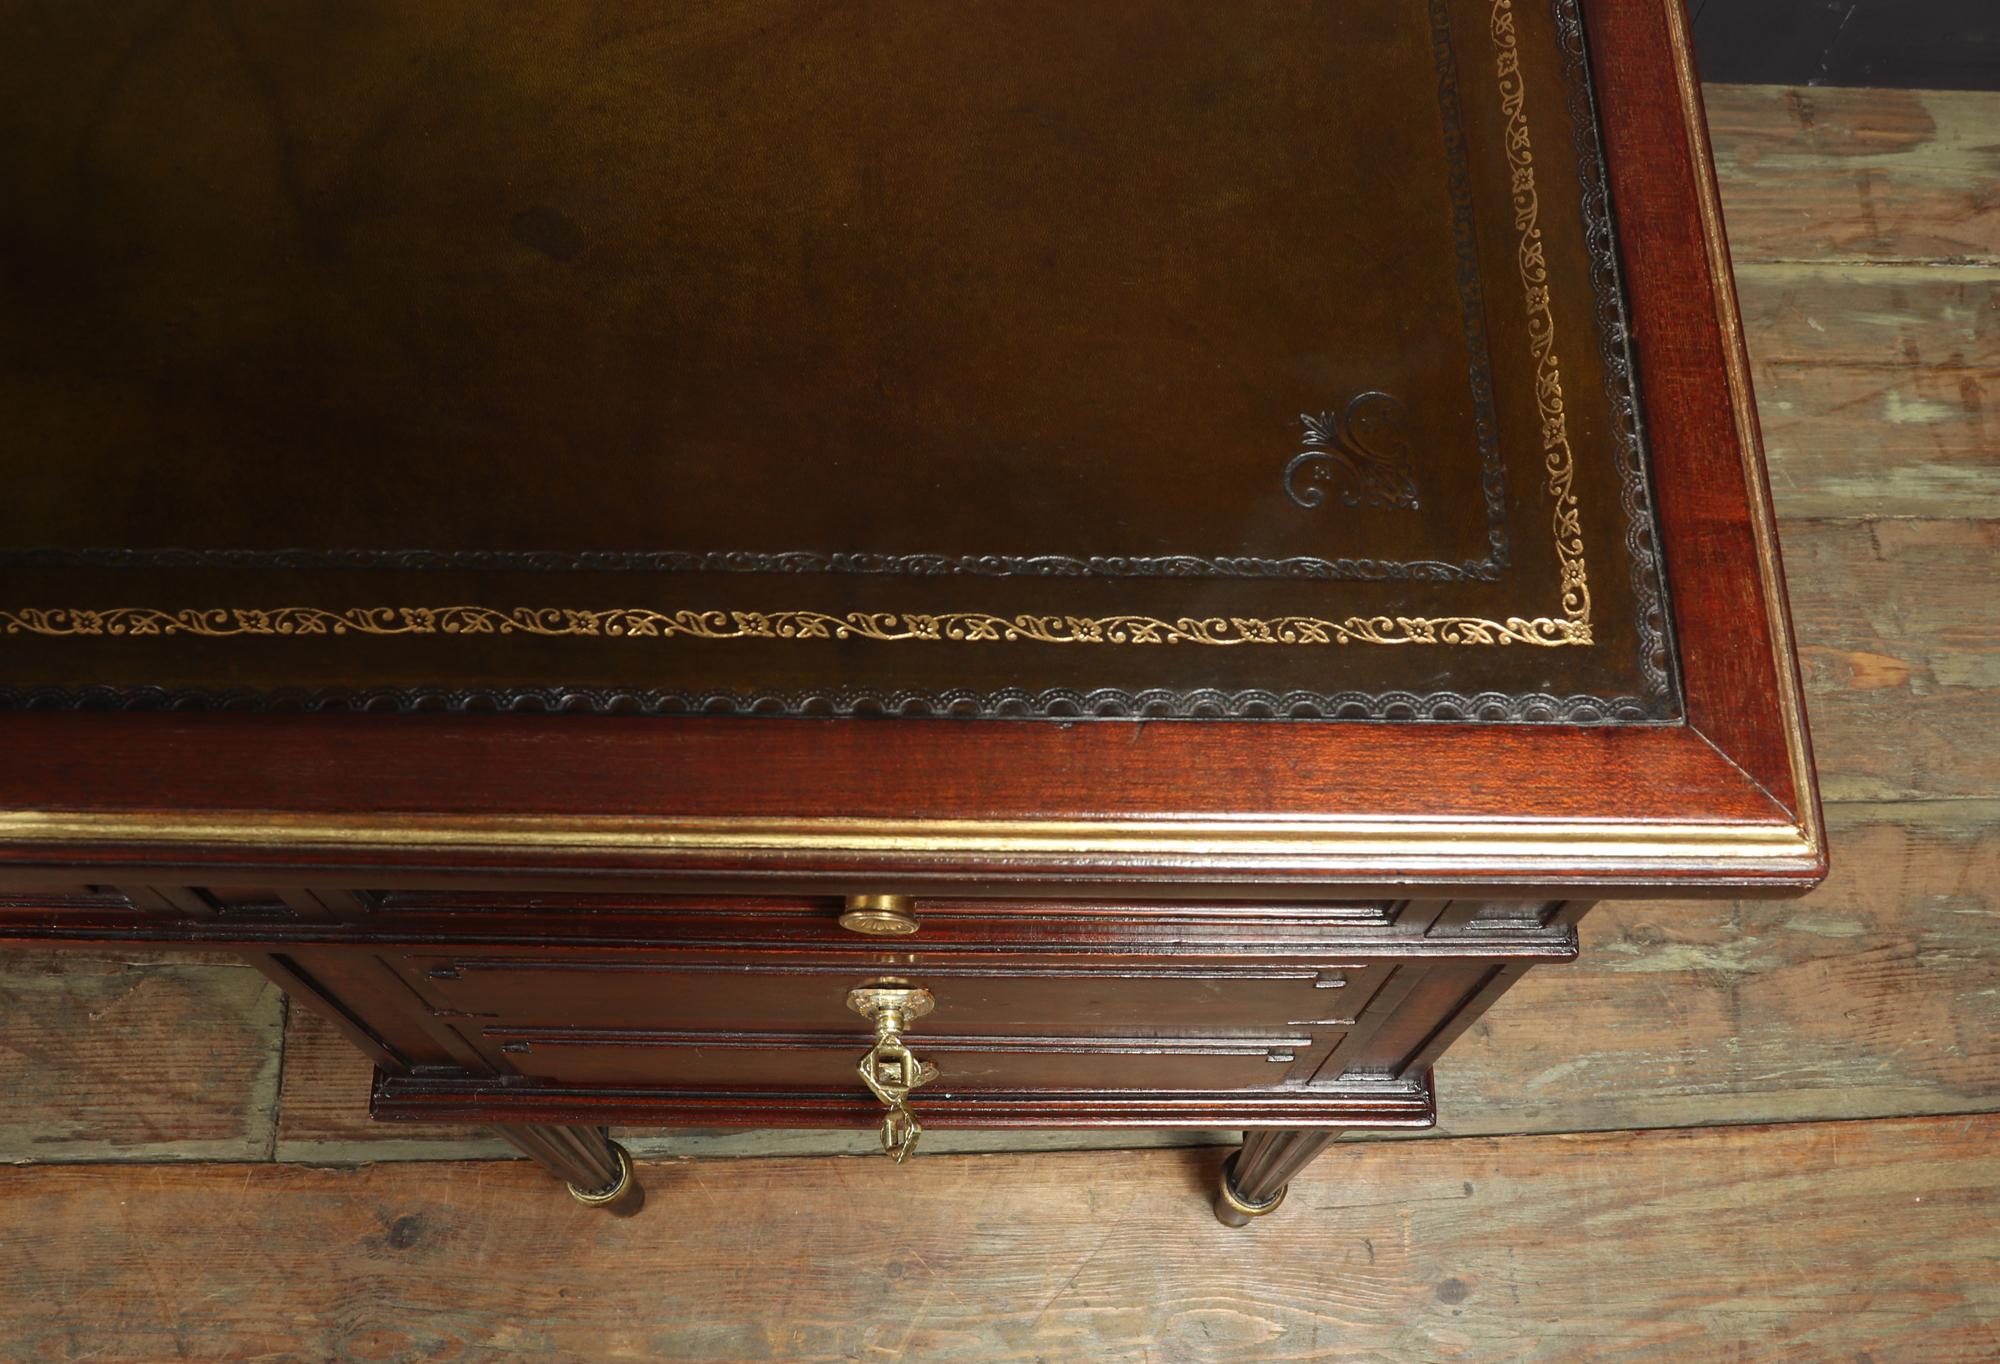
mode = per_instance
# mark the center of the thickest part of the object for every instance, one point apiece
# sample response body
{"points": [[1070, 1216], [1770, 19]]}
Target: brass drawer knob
{"points": [[890, 1069], [886, 916]]}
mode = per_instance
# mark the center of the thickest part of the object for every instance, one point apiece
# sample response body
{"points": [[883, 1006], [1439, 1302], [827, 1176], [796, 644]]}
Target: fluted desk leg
{"points": [[597, 1169], [1254, 1179]]}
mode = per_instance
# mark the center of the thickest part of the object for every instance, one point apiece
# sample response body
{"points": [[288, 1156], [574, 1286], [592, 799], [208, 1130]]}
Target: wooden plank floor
{"points": [[1864, 1240], [1542, 1221]]}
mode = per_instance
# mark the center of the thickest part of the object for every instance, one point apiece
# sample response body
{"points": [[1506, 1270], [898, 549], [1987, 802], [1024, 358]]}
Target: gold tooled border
{"points": [[955, 627], [980, 627]]}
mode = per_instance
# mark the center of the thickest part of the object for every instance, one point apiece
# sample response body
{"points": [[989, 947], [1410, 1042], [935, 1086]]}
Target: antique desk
{"points": [[920, 563]]}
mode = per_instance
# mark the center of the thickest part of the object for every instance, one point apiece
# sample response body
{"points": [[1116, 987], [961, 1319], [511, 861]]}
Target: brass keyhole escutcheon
{"points": [[885, 916], [890, 1069]]}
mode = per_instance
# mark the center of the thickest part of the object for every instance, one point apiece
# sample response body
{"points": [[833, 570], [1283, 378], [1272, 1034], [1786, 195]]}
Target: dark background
{"points": [[1922, 44]]}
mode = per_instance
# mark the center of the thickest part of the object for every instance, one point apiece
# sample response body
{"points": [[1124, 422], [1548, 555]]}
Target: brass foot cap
{"points": [[599, 1197], [1240, 1205]]}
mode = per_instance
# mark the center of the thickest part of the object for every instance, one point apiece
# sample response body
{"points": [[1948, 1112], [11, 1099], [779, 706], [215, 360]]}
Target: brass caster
{"points": [[1234, 1210], [623, 1198]]}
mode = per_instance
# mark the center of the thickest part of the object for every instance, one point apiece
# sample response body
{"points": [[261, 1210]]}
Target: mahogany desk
{"points": [[925, 564]]}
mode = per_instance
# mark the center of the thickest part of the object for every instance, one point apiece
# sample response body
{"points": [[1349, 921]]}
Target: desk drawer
{"points": [[771, 993], [670, 1060], [568, 914]]}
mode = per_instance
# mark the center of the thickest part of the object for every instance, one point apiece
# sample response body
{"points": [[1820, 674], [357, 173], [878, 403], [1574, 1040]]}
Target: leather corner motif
{"points": [[1361, 454]]}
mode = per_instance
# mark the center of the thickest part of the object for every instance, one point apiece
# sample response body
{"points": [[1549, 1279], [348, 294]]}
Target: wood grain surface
{"points": [[1819, 1241], [1876, 387], [1869, 176], [1874, 997], [1901, 648], [95, 1060], [1865, 231]]}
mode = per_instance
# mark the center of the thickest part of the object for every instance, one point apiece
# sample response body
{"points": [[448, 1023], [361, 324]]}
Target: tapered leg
{"points": [[1254, 1179], [597, 1169]]}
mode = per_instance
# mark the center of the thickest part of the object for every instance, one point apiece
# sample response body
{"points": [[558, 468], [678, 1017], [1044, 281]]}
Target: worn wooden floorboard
{"points": [[1899, 635], [1878, 387], [1877, 996], [1875, 1241], [1865, 228], [1857, 175], [96, 1061]]}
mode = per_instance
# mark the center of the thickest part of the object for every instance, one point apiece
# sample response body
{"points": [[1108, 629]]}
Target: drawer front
{"points": [[578, 918], [965, 1064], [816, 918], [1132, 998]]}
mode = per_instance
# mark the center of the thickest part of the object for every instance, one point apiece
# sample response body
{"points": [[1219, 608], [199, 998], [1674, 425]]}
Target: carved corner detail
{"points": [[1361, 455]]}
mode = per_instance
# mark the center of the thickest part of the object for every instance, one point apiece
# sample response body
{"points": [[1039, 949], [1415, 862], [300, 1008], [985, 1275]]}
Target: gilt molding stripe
{"points": [[1475, 844]]}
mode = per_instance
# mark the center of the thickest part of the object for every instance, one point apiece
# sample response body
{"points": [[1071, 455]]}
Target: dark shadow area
{"points": [[1913, 44]]}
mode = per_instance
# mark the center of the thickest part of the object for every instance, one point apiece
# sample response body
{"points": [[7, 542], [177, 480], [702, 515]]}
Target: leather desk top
{"points": [[1144, 356]]}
